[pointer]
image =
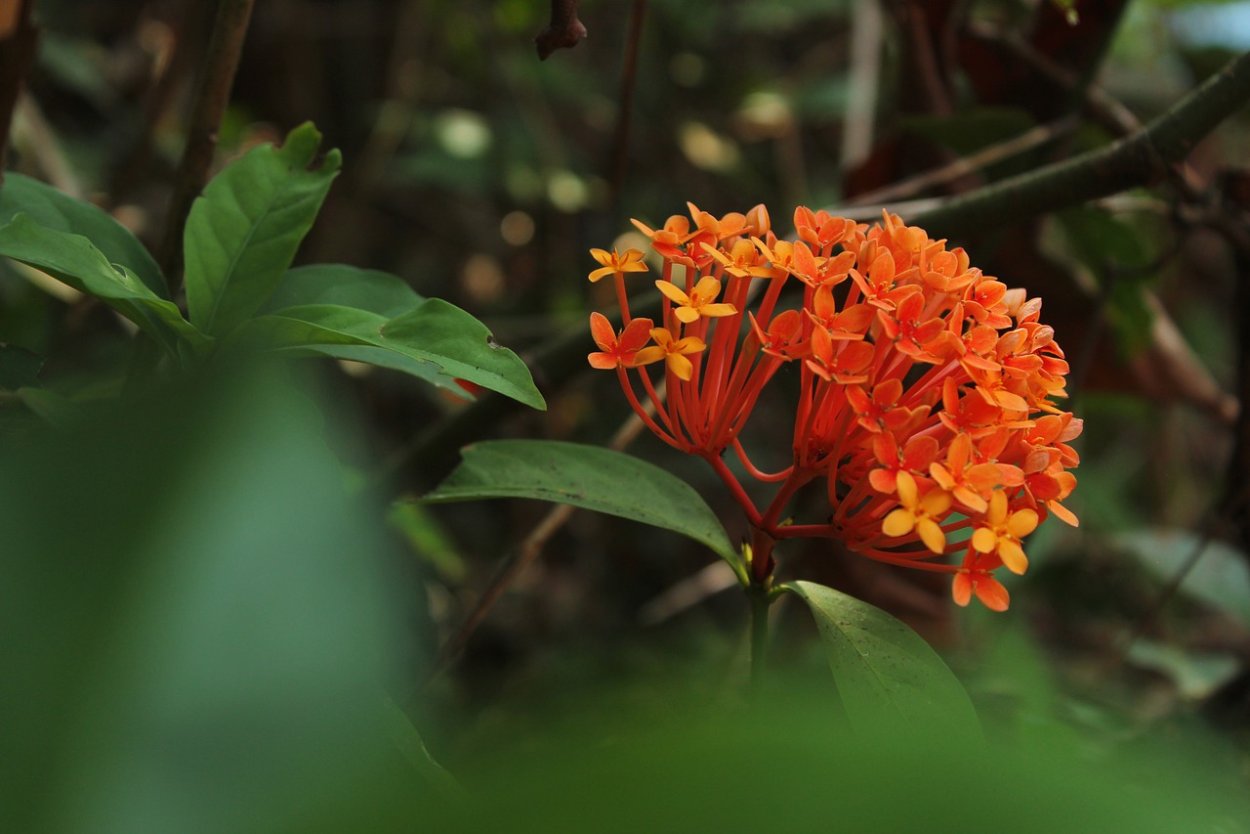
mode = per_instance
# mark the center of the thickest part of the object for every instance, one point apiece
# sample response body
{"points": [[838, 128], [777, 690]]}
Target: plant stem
{"points": [[759, 598], [221, 61]]}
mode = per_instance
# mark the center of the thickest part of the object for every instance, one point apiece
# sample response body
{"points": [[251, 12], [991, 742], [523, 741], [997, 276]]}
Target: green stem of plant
{"points": [[760, 600]]}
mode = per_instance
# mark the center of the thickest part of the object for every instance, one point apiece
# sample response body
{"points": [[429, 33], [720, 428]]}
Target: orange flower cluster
{"points": [[925, 387]]}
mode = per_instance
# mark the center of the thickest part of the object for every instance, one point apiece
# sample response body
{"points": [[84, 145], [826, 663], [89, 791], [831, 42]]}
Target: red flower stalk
{"points": [[925, 387]]}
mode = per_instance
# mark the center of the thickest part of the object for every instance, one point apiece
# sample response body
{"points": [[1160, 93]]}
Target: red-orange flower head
{"points": [[927, 389]]}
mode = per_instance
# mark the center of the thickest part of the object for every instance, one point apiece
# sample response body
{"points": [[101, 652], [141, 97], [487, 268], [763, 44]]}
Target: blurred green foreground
{"points": [[202, 622]]}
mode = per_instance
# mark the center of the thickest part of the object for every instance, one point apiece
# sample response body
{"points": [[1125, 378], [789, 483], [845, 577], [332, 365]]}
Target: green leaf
{"points": [[243, 233], [463, 347], [54, 210], [437, 342], [74, 260], [346, 286], [888, 677], [410, 745], [590, 478]]}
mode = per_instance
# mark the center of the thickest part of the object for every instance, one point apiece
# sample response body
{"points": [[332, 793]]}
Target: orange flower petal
{"points": [[931, 534], [992, 594], [900, 522]]}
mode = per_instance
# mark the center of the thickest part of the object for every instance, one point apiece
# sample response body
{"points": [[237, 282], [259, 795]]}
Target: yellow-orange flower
{"points": [[614, 263], [672, 351], [919, 514], [1000, 533], [699, 303]]}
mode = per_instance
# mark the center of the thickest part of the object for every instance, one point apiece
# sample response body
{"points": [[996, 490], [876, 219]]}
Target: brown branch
{"points": [[564, 31], [18, 41], [172, 63], [221, 62], [970, 164], [629, 77], [1139, 159]]}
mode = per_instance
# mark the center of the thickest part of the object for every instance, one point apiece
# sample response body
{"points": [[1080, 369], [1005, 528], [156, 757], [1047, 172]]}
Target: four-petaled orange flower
{"points": [[617, 351], [928, 393], [975, 578], [672, 351], [699, 303], [1000, 533], [919, 514], [614, 263], [967, 481]]}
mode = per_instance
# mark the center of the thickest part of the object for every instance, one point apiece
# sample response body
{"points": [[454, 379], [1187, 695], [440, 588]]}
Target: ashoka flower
{"points": [[927, 390]]}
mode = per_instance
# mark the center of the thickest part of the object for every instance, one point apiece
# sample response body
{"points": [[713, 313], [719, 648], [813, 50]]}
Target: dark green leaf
{"points": [[588, 477], [437, 342], [76, 261], [243, 233], [463, 347], [345, 286], [884, 671], [54, 210]]}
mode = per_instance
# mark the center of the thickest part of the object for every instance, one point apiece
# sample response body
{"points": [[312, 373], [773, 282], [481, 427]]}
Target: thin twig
{"points": [[1104, 109], [687, 593], [1134, 160], [40, 141], [528, 551], [221, 62], [396, 115], [629, 77], [1216, 517], [970, 164], [172, 64]]}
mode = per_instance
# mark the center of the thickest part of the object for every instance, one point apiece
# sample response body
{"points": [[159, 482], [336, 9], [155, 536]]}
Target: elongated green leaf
{"points": [[346, 286], [887, 676], [243, 233], [588, 477], [77, 262], [54, 210], [410, 745], [437, 341]]}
